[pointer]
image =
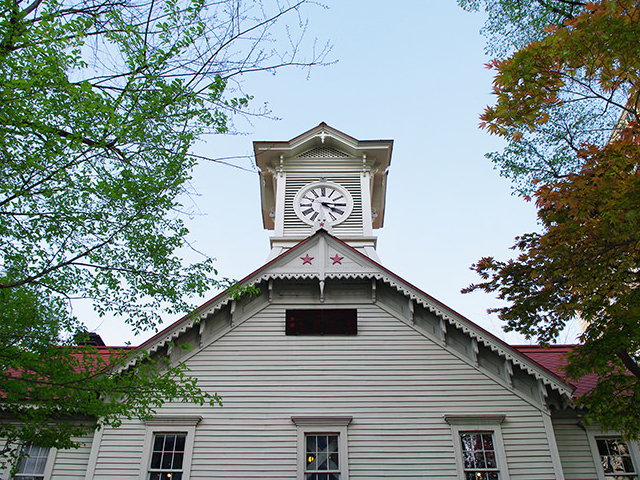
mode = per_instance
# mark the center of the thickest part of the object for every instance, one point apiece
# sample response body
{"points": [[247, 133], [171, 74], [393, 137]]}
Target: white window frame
{"points": [[478, 423], [169, 424], [322, 426], [594, 433], [48, 469]]}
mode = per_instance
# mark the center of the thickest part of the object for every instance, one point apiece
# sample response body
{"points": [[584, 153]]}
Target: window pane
{"points": [[322, 443], [333, 443], [333, 461], [169, 443], [155, 459], [468, 460], [311, 461], [311, 443], [180, 441], [491, 460], [166, 460], [177, 461], [158, 442], [487, 440], [321, 461]]}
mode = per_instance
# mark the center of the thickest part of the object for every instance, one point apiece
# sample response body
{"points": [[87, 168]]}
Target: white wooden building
{"points": [[339, 369]]}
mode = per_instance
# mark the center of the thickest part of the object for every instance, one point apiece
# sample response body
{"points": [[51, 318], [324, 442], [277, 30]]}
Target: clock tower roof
{"points": [[313, 147]]}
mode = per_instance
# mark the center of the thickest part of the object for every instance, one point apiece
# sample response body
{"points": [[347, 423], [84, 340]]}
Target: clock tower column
{"points": [[323, 179]]}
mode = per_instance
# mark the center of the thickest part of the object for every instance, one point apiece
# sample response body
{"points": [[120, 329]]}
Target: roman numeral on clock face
{"points": [[308, 211]]}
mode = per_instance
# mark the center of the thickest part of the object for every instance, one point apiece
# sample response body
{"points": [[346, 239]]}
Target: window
{"points": [[322, 448], [167, 456], [318, 321], [168, 447], [322, 459], [615, 458], [479, 456], [33, 464], [477, 441]]}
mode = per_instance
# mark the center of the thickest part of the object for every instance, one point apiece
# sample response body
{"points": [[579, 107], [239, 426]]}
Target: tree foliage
{"points": [[101, 102], [567, 103], [565, 85]]}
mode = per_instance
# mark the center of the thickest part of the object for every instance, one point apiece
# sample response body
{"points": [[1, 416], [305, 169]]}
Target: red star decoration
{"points": [[306, 259], [336, 259]]}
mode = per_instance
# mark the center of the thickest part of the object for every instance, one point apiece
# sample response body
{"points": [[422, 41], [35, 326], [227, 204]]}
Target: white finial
{"points": [[323, 135]]}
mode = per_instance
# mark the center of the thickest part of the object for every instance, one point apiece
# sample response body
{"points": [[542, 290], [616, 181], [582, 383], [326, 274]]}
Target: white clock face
{"points": [[323, 202]]}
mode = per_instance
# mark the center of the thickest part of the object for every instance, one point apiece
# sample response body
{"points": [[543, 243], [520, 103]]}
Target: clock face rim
{"points": [[325, 183]]}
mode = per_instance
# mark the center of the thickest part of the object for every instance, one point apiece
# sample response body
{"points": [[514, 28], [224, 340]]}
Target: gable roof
{"points": [[323, 256]]}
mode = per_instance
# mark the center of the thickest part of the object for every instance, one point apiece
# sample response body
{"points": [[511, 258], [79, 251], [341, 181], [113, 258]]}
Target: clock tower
{"points": [[323, 179]]}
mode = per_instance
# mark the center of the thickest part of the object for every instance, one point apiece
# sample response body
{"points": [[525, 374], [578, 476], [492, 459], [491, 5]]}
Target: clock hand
{"points": [[333, 207]]}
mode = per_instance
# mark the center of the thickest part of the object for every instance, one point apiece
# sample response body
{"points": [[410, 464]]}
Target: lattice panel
{"points": [[323, 152]]}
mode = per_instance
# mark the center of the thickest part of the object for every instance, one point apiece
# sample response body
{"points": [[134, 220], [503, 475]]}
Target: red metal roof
{"points": [[554, 359]]}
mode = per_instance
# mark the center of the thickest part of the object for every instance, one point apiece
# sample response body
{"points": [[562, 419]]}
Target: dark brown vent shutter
{"points": [[317, 321]]}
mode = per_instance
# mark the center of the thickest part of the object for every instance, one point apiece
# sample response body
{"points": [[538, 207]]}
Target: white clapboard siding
{"points": [[120, 452], [72, 464], [575, 453], [395, 383]]}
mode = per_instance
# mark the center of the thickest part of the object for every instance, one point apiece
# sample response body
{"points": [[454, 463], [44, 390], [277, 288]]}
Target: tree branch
{"points": [[628, 362]]}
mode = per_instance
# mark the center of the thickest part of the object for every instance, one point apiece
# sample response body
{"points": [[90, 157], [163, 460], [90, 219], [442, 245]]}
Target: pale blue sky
{"points": [[410, 71]]}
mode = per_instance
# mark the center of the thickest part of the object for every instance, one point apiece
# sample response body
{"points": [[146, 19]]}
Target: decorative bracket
{"points": [[508, 368], [475, 351], [201, 331], [412, 311], [443, 331], [543, 395], [232, 309]]}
